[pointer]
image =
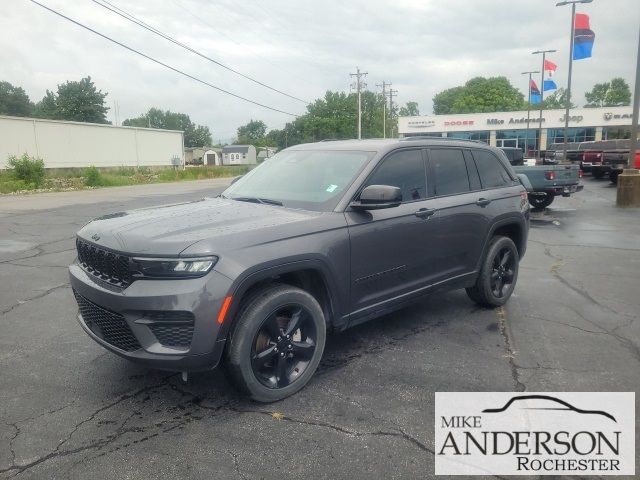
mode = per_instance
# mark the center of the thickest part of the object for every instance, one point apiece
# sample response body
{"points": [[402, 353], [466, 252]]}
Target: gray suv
{"points": [[318, 238]]}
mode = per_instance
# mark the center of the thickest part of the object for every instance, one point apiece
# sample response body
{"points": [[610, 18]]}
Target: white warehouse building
{"points": [[64, 144]]}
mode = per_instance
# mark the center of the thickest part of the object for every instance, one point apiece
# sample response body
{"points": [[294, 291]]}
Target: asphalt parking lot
{"points": [[69, 409]]}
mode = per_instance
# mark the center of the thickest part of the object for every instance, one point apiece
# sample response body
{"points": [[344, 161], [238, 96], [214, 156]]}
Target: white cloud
{"points": [[303, 48]]}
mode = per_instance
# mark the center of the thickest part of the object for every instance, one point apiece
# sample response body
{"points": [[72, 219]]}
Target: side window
{"points": [[449, 171], [405, 170], [492, 172]]}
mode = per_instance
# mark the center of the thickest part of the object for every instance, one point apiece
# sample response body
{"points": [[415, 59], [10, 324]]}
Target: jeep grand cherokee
{"points": [[318, 238]]}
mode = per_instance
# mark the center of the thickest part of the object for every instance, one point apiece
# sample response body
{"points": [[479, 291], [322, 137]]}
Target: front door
{"points": [[392, 249]]}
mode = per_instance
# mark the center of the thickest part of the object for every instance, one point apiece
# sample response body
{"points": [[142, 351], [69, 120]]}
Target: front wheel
{"points": [[498, 274], [277, 343], [541, 201]]}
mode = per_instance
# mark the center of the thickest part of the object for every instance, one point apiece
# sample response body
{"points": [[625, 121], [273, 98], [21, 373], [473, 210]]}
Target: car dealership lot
{"points": [[70, 409]]}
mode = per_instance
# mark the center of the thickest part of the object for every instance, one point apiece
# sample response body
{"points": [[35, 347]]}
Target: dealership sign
{"points": [[578, 117], [509, 433]]}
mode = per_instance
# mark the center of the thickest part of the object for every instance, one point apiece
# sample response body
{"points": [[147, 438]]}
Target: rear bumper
{"points": [[139, 317]]}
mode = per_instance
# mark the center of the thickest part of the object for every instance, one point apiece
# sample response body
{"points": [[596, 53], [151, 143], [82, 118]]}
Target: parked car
{"points": [[549, 181], [319, 237], [615, 157]]}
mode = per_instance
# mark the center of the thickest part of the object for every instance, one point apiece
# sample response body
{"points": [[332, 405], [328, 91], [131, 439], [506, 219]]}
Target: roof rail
{"points": [[449, 139]]}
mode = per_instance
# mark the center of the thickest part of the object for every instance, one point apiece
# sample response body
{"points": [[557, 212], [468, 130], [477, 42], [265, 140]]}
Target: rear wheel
{"points": [[540, 200], [277, 344], [498, 274], [613, 176]]}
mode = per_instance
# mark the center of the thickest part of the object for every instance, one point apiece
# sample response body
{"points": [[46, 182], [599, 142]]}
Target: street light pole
{"points": [[526, 132], [568, 92], [633, 144], [544, 53]]}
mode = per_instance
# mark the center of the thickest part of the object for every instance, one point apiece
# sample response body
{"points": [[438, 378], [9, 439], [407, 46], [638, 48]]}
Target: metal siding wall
{"points": [[64, 144]]}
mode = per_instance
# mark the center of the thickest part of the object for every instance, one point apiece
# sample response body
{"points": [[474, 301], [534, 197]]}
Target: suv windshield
{"points": [[309, 179]]}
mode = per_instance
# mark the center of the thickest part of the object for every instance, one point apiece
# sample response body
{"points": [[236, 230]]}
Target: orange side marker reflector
{"points": [[223, 310]]}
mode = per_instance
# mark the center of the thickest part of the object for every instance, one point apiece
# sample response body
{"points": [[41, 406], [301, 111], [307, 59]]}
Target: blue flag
{"points": [[583, 37]]}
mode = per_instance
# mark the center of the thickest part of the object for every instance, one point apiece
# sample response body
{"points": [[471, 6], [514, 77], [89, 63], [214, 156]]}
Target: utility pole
{"points": [[116, 113], [526, 132], [359, 85], [568, 100], [544, 53], [392, 93], [384, 106]]}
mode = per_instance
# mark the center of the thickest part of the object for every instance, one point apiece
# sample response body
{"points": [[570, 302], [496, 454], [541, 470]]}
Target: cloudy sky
{"points": [[303, 48]]}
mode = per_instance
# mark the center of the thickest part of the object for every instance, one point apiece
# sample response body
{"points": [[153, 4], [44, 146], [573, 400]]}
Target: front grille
{"points": [[111, 267], [178, 336], [109, 326], [172, 328]]}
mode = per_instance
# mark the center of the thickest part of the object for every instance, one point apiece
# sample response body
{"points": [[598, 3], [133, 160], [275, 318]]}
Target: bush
{"points": [[28, 169], [92, 177]]}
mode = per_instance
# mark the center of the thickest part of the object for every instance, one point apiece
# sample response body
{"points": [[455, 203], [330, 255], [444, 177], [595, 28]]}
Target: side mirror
{"points": [[375, 197], [235, 179]]}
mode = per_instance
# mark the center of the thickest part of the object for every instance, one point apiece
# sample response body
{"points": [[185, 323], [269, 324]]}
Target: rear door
{"points": [[392, 249], [462, 224], [500, 194]]}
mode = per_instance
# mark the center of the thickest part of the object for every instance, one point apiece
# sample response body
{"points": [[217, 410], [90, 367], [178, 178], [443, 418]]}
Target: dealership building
{"points": [[511, 129]]}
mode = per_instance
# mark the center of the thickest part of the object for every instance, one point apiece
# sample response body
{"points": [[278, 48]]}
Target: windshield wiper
{"points": [[266, 201]]}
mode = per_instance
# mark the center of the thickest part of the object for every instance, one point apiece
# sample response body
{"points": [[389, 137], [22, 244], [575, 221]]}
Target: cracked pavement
{"points": [[69, 409]]}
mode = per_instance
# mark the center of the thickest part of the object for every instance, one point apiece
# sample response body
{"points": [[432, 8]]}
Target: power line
{"points": [[159, 62], [231, 39], [127, 16]]}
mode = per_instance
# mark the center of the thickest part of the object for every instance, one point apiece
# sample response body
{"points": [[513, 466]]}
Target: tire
{"points": [[613, 177], [597, 174], [261, 360], [498, 274], [541, 201]]}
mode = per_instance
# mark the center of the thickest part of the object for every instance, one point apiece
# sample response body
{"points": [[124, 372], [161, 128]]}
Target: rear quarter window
{"points": [[492, 172]]}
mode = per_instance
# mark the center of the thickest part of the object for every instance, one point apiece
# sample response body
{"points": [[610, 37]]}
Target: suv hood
{"points": [[170, 229]]}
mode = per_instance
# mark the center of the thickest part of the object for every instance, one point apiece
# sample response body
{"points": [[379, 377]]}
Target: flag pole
{"points": [[568, 99], [526, 132], [571, 46], [544, 53]]}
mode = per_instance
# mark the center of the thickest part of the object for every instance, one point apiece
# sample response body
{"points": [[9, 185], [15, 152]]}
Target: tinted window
{"points": [[405, 170], [449, 171], [492, 172]]}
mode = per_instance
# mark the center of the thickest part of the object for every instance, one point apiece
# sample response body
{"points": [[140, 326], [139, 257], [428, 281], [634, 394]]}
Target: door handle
{"points": [[483, 202], [425, 212]]}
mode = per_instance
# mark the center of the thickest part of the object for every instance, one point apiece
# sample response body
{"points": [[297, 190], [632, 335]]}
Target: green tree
{"points": [[609, 94], [252, 133], [409, 110], [555, 100], [77, 101], [14, 101], [194, 135], [494, 94], [334, 116], [46, 108]]}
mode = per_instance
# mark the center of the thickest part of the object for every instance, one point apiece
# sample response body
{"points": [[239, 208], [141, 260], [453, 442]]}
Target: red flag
{"points": [[582, 21]]}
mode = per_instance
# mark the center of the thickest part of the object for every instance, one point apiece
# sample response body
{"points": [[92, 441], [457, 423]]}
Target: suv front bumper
{"points": [[163, 324]]}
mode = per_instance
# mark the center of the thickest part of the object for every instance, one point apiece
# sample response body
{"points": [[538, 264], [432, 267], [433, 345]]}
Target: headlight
{"points": [[173, 267]]}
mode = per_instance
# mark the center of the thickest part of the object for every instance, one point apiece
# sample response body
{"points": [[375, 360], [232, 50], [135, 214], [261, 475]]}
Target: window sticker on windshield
{"points": [[331, 188]]}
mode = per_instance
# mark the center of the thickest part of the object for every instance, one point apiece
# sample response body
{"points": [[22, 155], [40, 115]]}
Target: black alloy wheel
{"points": [[502, 275], [498, 274], [277, 342], [284, 346]]}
